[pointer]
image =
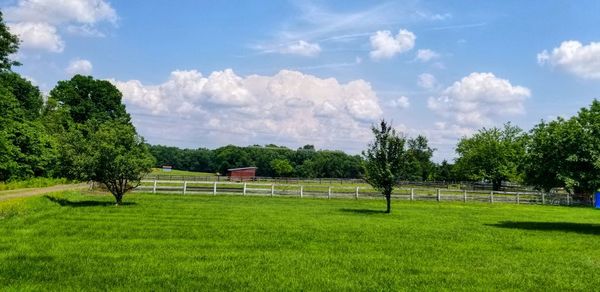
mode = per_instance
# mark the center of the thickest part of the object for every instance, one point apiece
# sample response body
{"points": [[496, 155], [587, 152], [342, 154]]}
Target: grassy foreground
{"points": [[72, 241]]}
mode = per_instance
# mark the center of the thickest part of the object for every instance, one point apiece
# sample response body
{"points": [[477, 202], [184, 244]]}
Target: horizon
{"points": [[206, 75]]}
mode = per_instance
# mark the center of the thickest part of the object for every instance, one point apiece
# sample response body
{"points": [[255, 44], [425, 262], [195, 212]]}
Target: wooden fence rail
{"points": [[356, 192]]}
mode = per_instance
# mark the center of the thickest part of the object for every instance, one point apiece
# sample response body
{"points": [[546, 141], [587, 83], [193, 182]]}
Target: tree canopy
{"points": [[493, 155]]}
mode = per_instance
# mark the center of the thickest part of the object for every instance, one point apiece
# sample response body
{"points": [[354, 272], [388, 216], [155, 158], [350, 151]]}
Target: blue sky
{"points": [[211, 73]]}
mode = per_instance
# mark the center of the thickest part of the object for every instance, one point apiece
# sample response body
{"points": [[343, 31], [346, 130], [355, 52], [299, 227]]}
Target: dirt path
{"points": [[7, 195]]}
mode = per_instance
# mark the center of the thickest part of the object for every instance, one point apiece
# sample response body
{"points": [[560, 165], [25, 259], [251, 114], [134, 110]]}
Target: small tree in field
{"points": [[384, 160], [117, 157]]}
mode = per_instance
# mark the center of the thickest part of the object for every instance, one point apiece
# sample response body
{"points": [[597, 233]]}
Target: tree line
{"points": [[279, 161]]}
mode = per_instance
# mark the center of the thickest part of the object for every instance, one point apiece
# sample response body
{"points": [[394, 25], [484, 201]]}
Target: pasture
{"points": [[79, 241]]}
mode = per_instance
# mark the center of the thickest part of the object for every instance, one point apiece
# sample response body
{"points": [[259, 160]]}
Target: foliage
{"points": [[9, 44], [566, 153], [419, 164], [385, 160], [86, 98], [117, 157], [281, 167], [494, 155]]}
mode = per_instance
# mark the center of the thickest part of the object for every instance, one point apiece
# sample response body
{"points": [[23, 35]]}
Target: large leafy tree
{"points": [[385, 160], [493, 155], [88, 99], [566, 153]]}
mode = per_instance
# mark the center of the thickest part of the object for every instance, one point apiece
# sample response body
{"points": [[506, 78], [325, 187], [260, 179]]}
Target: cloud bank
{"points": [[574, 57], [289, 108]]}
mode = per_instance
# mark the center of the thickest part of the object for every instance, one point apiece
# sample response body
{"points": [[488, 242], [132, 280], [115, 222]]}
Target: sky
{"points": [[212, 73]]}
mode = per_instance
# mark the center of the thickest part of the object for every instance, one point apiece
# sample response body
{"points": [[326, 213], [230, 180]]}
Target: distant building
{"points": [[167, 168], [242, 173]]}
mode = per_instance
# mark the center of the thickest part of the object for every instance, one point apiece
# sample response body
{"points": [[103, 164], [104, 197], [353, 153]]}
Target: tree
{"points": [[566, 153], [88, 99], [419, 156], [281, 167], [9, 44], [117, 157], [385, 160], [494, 155]]}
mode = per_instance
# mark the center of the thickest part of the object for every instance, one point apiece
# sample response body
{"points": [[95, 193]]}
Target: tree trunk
{"points": [[496, 184], [388, 198], [119, 199]]}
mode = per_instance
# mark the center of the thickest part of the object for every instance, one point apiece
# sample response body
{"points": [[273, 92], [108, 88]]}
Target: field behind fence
{"points": [[356, 191]]}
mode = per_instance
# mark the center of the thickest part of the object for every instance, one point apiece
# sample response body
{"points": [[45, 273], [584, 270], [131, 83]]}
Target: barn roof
{"points": [[242, 168]]}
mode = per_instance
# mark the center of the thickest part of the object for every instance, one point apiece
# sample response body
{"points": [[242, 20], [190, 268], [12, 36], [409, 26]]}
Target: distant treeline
{"points": [[305, 162]]}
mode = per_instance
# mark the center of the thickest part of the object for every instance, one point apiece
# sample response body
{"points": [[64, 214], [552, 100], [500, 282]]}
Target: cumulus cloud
{"points": [[426, 55], [301, 48], [427, 81], [574, 57], [79, 66], [401, 102], [289, 106], [476, 100], [38, 36], [37, 22], [385, 45]]}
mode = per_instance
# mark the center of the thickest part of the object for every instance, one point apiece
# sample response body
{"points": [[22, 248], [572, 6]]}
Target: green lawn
{"points": [[175, 172], [37, 182], [72, 241]]}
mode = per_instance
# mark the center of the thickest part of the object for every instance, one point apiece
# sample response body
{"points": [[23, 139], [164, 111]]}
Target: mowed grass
{"points": [[175, 172], [74, 241]]}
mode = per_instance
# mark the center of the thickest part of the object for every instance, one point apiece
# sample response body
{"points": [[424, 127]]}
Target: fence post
{"points": [[543, 198], [356, 193], [568, 200], [492, 197], [301, 191], [214, 188], [438, 195], [244, 189], [329, 193], [272, 189], [412, 194], [518, 198], [154, 188], [184, 187]]}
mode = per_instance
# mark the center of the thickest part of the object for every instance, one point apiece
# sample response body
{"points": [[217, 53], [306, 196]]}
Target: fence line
{"points": [[356, 192]]}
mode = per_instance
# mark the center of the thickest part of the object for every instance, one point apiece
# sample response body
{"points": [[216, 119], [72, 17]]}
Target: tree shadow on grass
{"points": [[363, 211], [583, 228], [67, 203]]}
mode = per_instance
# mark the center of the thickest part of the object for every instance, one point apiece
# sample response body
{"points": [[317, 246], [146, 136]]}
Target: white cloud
{"points": [[572, 56], [37, 22], [478, 99], [427, 81], [426, 55], [79, 66], [301, 48], [38, 36], [61, 11], [386, 46], [289, 106], [401, 102]]}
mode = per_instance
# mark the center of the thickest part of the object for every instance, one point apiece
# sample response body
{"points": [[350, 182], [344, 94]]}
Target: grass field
{"points": [[74, 241], [175, 172], [38, 182]]}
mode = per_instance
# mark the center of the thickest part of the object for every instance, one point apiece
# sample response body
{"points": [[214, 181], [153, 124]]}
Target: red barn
{"points": [[242, 173]]}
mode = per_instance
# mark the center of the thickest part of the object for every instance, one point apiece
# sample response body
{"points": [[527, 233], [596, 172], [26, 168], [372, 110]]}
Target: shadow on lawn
{"points": [[362, 211], [67, 203], [583, 228]]}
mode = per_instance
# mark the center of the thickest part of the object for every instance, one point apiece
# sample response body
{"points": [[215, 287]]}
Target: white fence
{"points": [[337, 191]]}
